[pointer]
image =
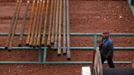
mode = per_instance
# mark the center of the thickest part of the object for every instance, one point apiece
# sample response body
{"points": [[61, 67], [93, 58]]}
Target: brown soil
{"points": [[86, 16]]}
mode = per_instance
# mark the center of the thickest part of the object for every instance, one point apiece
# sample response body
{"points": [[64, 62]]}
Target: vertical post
{"points": [[39, 55], [95, 41], [45, 55]]}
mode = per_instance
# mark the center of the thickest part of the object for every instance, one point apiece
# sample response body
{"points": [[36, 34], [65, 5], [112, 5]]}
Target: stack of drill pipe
{"points": [[39, 38], [42, 22], [57, 21], [30, 23], [66, 30], [45, 23], [50, 24], [48, 19], [14, 24], [24, 23], [35, 25]]}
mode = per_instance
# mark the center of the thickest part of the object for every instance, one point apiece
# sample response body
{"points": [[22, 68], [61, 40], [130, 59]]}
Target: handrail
{"points": [[79, 34]]}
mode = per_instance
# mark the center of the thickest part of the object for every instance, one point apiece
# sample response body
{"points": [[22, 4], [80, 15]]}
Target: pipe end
{"points": [[64, 54], [31, 46], [55, 49], [27, 44], [20, 45], [68, 59], [49, 46], [9, 50], [52, 43], [43, 45], [6, 47], [59, 55], [38, 46]]}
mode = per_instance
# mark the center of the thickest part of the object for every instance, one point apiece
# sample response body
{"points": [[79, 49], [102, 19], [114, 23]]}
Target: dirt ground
{"points": [[86, 16]]}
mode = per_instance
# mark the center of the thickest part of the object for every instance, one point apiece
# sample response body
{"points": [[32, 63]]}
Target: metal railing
{"points": [[89, 48]]}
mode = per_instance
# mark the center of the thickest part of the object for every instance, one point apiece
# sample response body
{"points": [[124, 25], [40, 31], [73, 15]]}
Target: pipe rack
{"points": [[54, 15]]}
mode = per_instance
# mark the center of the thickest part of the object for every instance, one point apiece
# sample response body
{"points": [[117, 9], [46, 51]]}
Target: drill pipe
{"points": [[34, 25], [12, 23], [15, 24], [56, 25], [64, 28], [50, 24], [45, 23], [37, 24], [30, 23], [68, 32], [40, 24], [53, 23], [60, 28], [24, 23]]}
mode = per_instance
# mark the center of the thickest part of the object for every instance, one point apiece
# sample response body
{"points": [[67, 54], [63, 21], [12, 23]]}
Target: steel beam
{"points": [[19, 62], [39, 55], [99, 34], [72, 48], [81, 34], [59, 62]]}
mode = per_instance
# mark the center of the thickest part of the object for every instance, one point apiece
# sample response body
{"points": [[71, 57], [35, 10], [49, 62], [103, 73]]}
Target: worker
{"points": [[106, 49]]}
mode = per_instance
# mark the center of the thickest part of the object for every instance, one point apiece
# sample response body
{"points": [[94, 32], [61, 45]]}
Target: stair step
{"points": [[118, 71]]}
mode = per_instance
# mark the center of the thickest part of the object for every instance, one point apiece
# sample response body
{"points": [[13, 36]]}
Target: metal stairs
{"points": [[118, 71]]}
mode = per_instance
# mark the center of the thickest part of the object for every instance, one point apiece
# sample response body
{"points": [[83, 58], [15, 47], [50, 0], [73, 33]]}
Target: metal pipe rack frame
{"points": [[44, 61]]}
